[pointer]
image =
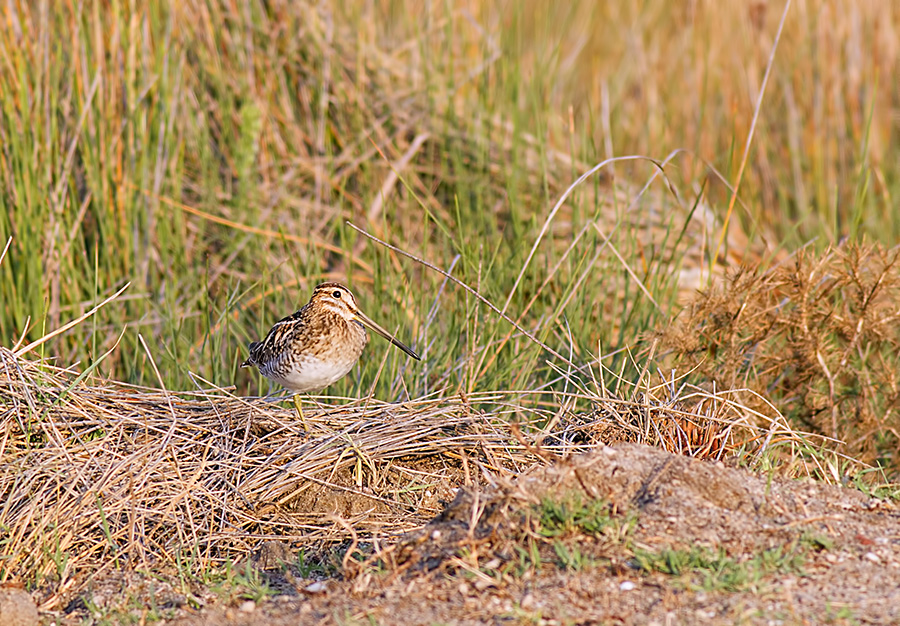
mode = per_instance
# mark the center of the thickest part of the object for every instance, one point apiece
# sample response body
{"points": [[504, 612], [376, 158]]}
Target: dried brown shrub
{"points": [[818, 336]]}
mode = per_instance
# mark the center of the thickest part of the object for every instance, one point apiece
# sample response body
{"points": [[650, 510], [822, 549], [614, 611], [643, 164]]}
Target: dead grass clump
{"points": [[107, 476], [703, 420], [819, 336]]}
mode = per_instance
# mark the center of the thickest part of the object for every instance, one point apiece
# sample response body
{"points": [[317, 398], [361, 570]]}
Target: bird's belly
{"points": [[311, 374]]}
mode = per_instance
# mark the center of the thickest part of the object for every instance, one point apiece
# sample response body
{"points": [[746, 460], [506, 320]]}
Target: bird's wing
{"points": [[281, 334]]}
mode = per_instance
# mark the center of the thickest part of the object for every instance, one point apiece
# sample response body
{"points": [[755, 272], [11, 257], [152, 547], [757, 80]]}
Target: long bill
{"points": [[362, 317]]}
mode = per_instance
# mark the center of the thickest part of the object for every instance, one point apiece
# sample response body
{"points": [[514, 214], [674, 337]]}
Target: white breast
{"points": [[312, 374]]}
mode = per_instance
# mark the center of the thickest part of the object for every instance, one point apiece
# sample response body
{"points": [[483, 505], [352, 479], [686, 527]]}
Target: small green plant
{"points": [[839, 615], [520, 615], [309, 567], [563, 522], [245, 582], [873, 482], [570, 556], [571, 514], [348, 619], [59, 556], [252, 584], [190, 568], [529, 557], [816, 542], [699, 568]]}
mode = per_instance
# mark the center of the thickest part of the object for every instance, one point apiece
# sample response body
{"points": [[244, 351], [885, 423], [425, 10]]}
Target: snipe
{"points": [[318, 345]]}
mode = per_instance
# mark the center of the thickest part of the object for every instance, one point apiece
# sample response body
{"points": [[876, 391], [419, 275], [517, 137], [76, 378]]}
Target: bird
{"points": [[317, 345]]}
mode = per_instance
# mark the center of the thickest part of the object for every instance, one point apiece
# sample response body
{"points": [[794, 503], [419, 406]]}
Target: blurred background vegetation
{"points": [[211, 153]]}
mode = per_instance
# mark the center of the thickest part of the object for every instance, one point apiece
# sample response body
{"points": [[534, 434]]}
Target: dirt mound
{"points": [[702, 502], [622, 535]]}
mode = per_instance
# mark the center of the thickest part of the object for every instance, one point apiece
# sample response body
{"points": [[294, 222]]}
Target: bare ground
{"points": [[789, 551]]}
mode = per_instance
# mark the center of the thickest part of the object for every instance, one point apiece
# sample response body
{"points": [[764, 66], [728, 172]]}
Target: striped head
{"points": [[338, 300]]}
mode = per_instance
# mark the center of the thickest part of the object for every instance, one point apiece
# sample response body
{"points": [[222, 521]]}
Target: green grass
{"points": [[128, 609], [571, 513], [571, 557], [114, 118], [562, 523], [244, 583], [702, 569]]}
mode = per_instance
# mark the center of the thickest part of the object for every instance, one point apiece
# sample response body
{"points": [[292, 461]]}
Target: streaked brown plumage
{"points": [[319, 344]]}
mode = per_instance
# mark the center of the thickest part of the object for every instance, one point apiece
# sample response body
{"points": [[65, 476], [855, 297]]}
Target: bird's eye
{"points": [[336, 294]]}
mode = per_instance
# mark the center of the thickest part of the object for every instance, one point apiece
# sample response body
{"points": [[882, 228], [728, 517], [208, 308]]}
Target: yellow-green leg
{"points": [[300, 411]]}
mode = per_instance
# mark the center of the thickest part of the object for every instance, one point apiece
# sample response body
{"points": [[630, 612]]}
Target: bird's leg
{"points": [[300, 411]]}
